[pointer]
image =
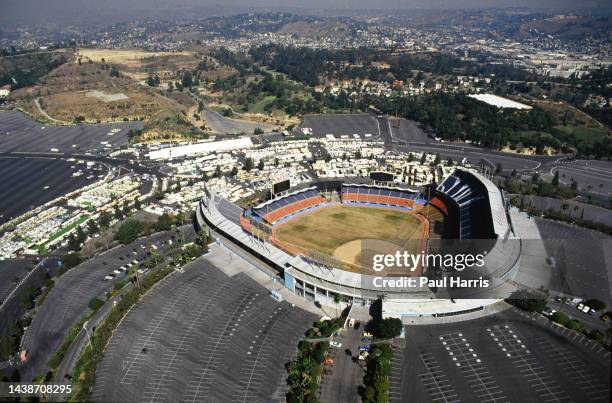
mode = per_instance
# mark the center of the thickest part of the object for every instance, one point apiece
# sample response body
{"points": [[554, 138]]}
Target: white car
{"points": [[586, 309], [335, 343], [109, 277], [117, 271]]}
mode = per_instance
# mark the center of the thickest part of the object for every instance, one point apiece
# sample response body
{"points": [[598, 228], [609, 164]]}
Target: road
{"points": [[221, 124], [590, 321], [347, 372], [68, 301]]}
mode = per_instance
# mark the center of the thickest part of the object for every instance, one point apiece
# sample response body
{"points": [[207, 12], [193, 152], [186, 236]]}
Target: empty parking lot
{"points": [[506, 357], [68, 301], [19, 133], [202, 336], [361, 124]]}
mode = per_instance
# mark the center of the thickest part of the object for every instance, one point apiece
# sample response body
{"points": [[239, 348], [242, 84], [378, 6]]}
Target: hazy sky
{"points": [[92, 10]]}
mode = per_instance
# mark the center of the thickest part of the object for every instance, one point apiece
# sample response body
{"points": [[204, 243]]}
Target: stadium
{"points": [[321, 238]]}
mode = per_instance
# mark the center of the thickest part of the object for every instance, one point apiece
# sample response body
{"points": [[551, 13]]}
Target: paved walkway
{"points": [[232, 260]]}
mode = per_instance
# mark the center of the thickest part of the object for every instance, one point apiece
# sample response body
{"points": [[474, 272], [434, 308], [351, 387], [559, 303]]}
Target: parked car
{"points": [[351, 322], [365, 340], [335, 343], [109, 277]]}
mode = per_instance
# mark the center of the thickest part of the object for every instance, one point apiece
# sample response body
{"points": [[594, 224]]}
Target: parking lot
{"points": [[506, 357], [343, 377], [582, 267], [19, 133], [68, 301], [342, 124], [202, 336], [30, 182]]}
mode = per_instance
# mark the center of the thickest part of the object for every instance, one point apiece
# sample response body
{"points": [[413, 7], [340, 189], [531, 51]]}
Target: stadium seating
{"points": [[378, 195], [470, 197], [288, 205]]}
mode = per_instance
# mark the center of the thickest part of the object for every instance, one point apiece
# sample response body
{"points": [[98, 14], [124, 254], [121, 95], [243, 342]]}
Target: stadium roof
{"points": [[201, 148], [498, 210], [500, 102]]}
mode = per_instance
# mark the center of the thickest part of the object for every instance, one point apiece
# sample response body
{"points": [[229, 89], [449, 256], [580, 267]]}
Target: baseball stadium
{"points": [[321, 237]]}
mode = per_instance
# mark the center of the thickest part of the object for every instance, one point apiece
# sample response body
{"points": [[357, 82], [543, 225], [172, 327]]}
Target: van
{"points": [[351, 322]]}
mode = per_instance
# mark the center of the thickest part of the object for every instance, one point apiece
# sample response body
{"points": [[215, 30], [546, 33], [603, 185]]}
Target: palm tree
{"points": [[337, 300]]}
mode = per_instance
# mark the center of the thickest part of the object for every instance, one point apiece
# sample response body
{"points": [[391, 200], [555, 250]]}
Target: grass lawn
{"points": [[328, 228], [258, 107], [64, 230]]}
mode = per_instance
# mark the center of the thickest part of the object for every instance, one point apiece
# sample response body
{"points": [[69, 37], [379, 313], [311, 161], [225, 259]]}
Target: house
{"points": [[5, 91]]}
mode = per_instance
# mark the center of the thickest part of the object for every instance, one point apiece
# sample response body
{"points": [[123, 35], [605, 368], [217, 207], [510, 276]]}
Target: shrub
{"points": [[560, 318], [95, 303], [595, 304]]}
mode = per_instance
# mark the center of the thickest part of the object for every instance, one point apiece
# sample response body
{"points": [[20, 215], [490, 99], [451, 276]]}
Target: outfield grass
{"points": [[326, 229]]}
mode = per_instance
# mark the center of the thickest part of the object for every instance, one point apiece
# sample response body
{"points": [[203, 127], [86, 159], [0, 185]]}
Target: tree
{"points": [[555, 180], [129, 231], [527, 301], [114, 72], [261, 165], [71, 260], [73, 243], [137, 204], [258, 130], [95, 303], [80, 235], [423, 158], [498, 169], [105, 219], [234, 171], [389, 328], [595, 304], [560, 318], [187, 80], [164, 222], [249, 164], [92, 227], [337, 301], [118, 213]]}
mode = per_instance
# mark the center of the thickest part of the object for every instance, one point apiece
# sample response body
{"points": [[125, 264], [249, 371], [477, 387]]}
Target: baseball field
{"points": [[351, 234]]}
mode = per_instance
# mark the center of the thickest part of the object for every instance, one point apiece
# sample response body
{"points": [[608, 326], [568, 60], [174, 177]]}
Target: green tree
{"points": [[249, 164], [595, 304], [527, 301], [73, 243], [389, 328], [498, 169], [95, 303], [258, 130], [164, 222], [71, 260], [129, 231], [260, 165], [187, 80], [105, 219], [560, 318], [555, 180], [92, 227]]}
